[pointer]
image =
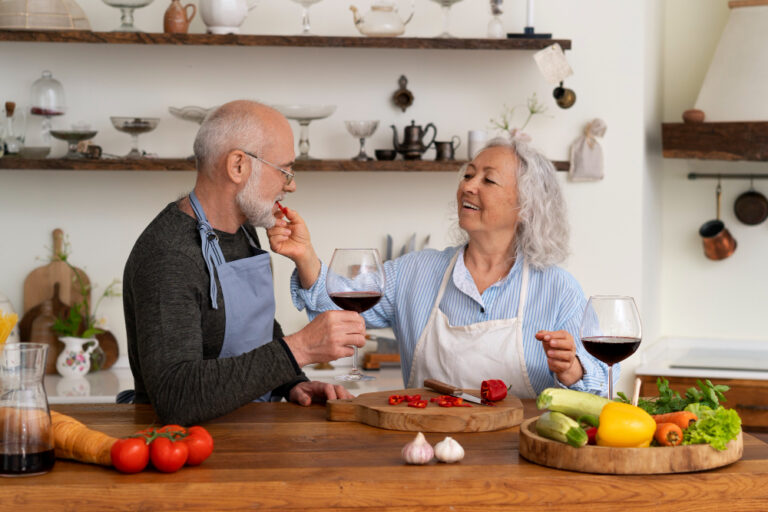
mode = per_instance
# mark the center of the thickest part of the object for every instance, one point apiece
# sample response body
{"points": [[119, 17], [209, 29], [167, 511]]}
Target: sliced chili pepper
{"points": [[395, 399], [462, 405], [445, 403], [412, 398], [435, 399], [419, 404], [591, 435], [493, 390]]}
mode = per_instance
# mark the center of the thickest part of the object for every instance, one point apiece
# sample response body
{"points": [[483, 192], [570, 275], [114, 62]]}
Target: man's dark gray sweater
{"points": [[175, 336]]}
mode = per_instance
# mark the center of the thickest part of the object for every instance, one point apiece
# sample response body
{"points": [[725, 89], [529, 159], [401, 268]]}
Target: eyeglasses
{"points": [[288, 174]]}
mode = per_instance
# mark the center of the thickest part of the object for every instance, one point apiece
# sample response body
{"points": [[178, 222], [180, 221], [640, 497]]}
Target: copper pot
{"points": [[716, 239]]}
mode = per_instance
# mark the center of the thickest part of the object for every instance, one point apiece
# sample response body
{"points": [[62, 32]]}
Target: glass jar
{"points": [[47, 101], [13, 139]]}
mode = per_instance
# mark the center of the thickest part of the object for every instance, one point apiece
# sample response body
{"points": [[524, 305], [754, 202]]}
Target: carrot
{"points": [[682, 419], [668, 434], [73, 440]]}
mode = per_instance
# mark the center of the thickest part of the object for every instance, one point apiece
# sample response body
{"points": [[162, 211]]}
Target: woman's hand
{"points": [[291, 239], [561, 355]]}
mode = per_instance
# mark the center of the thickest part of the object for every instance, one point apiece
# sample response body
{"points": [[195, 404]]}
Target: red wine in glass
{"points": [[611, 330], [355, 282], [611, 349], [356, 301]]}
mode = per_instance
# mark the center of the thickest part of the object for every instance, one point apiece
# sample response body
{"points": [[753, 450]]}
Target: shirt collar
{"points": [[463, 280]]}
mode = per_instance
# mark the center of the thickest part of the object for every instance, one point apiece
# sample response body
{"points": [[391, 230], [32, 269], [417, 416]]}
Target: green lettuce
{"points": [[714, 427]]}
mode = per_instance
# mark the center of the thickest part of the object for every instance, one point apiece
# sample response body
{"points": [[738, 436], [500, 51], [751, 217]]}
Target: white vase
{"points": [[74, 361], [225, 16]]}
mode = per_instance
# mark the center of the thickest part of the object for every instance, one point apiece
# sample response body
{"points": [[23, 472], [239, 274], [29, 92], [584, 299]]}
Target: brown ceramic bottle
{"points": [[176, 20], [42, 332]]}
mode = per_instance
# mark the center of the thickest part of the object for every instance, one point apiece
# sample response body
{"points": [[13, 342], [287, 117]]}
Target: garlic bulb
{"points": [[449, 450], [418, 451]]}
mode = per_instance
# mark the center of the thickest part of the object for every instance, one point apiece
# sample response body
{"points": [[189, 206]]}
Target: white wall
{"points": [[616, 63], [702, 298]]}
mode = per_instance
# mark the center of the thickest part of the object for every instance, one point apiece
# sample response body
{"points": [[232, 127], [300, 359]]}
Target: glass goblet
{"points": [[446, 4], [126, 8], [355, 282], [611, 330], [305, 29], [361, 130], [134, 126], [304, 114]]}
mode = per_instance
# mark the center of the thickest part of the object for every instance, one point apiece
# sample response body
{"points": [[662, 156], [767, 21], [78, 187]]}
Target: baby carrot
{"points": [[682, 419], [668, 434]]}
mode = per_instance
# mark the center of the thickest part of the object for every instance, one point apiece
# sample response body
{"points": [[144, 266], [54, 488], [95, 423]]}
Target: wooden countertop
{"points": [[284, 457]]}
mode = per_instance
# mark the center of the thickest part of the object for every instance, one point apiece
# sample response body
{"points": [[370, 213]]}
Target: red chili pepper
{"points": [[493, 390], [445, 403], [462, 405], [412, 398], [591, 435], [435, 399], [419, 404], [395, 399], [282, 208]]}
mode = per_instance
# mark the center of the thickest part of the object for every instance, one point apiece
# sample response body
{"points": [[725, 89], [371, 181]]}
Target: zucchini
{"points": [[558, 426], [570, 402]]}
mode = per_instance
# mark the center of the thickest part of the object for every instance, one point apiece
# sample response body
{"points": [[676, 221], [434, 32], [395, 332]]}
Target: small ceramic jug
{"points": [[74, 361], [176, 19]]}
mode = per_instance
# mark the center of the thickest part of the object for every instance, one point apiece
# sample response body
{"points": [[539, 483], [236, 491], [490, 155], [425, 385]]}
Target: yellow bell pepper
{"points": [[625, 426]]}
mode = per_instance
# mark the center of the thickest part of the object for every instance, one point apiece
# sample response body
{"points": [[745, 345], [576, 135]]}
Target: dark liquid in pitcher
{"points": [[29, 463], [610, 349]]}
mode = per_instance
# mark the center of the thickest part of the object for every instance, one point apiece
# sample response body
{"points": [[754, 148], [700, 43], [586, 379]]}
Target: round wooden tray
{"points": [[624, 461]]}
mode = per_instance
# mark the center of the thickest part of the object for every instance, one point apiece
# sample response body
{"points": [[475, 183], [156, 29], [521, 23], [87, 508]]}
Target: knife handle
{"points": [[441, 387]]}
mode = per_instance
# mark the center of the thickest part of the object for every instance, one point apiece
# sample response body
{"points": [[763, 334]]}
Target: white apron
{"points": [[466, 355]]}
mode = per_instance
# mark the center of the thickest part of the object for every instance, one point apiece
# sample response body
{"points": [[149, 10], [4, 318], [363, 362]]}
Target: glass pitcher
{"points": [[26, 435]]}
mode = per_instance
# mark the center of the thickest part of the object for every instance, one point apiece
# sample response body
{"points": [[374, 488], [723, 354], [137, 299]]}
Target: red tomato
{"points": [[200, 444], [172, 428], [168, 456], [130, 455]]}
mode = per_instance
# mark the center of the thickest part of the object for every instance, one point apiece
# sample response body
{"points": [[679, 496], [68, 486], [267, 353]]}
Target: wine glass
{"points": [[355, 282], [446, 15], [611, 330], [361, 130], [304, 114], [305, 15]]}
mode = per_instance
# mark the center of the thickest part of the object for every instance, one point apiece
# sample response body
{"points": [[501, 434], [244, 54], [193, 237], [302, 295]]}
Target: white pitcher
{"points": [[225, 16], [73, 360]]}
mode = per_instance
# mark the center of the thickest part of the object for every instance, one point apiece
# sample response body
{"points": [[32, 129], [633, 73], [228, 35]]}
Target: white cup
{"points": [[475, 142]]}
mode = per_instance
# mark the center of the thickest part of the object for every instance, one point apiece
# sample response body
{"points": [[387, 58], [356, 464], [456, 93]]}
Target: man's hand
{"points": [[561, 355], [328, 337], [292, 240], [305, 393]]}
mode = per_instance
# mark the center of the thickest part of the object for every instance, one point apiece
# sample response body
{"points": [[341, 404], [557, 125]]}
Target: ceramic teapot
{"points": [[74, 361], [225, 16], [382, 20], [413, 140]]}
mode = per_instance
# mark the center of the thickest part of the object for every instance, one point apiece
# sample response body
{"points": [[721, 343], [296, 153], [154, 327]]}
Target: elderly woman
{"points": [[496, 306]]}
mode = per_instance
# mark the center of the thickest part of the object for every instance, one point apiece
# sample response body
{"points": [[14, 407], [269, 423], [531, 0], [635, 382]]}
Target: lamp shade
{"points": [[42, 15], [734, 87]]}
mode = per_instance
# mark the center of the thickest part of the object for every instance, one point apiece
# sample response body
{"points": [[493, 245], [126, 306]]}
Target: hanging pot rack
{"points": [[717, 176]]}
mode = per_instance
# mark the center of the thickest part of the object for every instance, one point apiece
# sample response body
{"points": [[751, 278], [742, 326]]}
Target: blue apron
{"points": [[248, 291]]}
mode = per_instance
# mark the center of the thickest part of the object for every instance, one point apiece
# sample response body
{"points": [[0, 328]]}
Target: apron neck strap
{"points": [[210, 243]]}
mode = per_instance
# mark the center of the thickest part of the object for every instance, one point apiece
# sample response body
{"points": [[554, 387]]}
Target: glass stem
{"points": [[355, 369], [126, 17], [305, 22], [446, 19], [610, 382], [135, 142], [304, 139]]}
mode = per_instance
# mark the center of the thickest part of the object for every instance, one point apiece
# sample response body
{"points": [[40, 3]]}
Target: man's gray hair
{"points": [[542, 230], [223, 130]]}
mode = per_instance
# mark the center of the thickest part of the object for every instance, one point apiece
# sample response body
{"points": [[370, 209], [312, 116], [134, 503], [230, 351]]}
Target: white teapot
{"points": [[382, 20], [225, 16]]}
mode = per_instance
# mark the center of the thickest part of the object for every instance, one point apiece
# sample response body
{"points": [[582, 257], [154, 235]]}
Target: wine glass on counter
{"points": [[355, 282], [611, 330]]}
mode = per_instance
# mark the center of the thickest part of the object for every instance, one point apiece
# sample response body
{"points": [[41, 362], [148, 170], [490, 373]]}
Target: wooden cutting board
{"points": [[373, 409], [38, 285], [624, 461]]}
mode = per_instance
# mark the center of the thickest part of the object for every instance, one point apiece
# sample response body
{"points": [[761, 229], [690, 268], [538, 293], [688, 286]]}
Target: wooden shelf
{"points": [[86, 36], [746, 140], [183, 164]]}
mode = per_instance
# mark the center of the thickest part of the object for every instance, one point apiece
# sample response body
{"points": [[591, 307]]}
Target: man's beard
{"points": [[256, 209]]}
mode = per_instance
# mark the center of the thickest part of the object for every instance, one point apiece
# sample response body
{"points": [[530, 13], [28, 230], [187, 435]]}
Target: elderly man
{"points": [[198, 292]]}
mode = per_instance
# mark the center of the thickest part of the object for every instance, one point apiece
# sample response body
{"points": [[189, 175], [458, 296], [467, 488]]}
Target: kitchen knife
{"points": [[388, 255], [447, 389]]}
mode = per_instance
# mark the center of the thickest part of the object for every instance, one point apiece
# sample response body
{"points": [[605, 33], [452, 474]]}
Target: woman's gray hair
{"points": [[225, 129], [542, 229]]}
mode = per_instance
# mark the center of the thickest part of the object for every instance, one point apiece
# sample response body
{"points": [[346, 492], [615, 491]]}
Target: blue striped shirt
{"points": [[555, 301]]}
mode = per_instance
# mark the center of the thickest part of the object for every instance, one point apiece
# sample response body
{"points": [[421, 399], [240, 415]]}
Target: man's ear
{"points": [[238, 167]]}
